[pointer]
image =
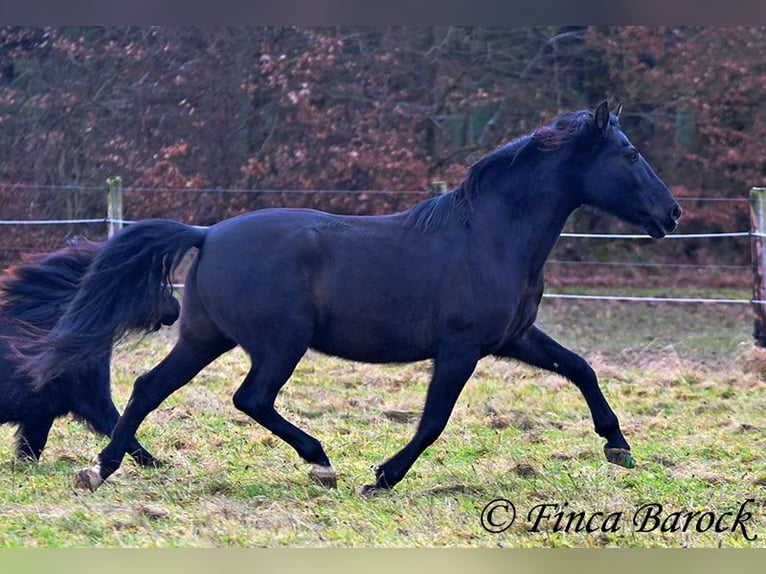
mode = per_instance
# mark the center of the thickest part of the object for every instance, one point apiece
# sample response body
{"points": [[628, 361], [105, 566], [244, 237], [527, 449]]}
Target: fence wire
{"points": [[574, 235]]}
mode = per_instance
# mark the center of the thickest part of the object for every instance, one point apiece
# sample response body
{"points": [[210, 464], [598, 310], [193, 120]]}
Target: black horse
{"points": [[453, 279], [33, 296]]}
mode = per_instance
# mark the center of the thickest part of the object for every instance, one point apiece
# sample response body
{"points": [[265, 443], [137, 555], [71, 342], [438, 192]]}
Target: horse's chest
{"points": [[516, 313]]}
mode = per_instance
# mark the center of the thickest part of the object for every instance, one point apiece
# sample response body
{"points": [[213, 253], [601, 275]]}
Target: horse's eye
{"points": [[631, 155]]}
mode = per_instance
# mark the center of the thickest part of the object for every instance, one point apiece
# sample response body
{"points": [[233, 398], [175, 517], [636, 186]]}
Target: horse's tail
{"points": [[122, 291]]}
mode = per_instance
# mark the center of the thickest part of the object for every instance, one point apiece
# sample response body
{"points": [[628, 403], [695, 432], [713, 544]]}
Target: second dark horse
{"points": [[453, 279], [33, 296]]}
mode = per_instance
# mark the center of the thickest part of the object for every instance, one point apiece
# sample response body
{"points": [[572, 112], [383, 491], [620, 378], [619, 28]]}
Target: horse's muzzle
{"points": [[676, 213], [169, 318], [659, 227]]}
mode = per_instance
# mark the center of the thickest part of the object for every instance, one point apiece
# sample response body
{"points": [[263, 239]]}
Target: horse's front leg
{"points": [[453, 366], [538, 349]]}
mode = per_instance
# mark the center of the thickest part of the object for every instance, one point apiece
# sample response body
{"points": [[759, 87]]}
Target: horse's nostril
{"points": [[677, 213]]}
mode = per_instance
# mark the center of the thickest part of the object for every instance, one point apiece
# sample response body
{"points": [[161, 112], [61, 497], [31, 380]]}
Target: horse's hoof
{"points": [[149, 461], [620, 457], [324, 476], [88, 479], [370, 490]]}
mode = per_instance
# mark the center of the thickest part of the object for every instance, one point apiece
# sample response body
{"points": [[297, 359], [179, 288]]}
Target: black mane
{"points": [[564, 129], [431, 213], [37, 290]]}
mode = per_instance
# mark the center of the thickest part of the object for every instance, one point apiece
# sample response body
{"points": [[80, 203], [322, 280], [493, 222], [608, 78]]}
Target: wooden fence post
{"points": [[758, 257], [114, 205], [438, 187]]}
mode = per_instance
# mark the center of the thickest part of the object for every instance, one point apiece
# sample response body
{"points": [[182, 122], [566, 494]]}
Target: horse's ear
{"points": [[618, 111], [602, 116]]}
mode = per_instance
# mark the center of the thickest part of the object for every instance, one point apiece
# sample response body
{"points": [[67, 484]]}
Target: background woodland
{"points": [[177, 110]]}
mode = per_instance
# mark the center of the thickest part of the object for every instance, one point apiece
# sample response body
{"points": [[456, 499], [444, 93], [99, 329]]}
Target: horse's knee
{"points": [[146, 395], [255, 406], [584, 369], [142, 383], [240, 401], [580, 373], [428, 432]]}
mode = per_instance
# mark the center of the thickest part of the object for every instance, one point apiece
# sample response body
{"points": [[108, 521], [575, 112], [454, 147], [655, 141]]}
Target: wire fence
{"points": [[109, 221]]}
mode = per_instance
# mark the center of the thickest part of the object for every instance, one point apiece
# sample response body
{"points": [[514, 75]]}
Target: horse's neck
{"points": [[526, 223]]}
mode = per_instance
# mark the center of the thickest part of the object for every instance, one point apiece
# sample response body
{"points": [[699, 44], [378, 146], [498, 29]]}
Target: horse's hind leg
{"points": [[538, 349], [31, 436], [188, 357], [256, 397]]}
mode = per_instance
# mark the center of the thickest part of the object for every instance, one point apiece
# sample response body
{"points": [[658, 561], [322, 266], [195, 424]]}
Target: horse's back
{"points": [[284, 239]]}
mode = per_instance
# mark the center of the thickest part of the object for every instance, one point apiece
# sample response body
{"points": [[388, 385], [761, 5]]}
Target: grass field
{"points": [[685, 380]]}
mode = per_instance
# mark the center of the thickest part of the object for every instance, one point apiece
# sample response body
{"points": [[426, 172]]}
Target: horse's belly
{"points": [[371, 342], [369, 355]]}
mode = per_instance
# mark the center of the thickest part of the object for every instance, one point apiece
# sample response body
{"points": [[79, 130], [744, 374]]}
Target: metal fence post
{"points": [[758, 257], [114, 205]]}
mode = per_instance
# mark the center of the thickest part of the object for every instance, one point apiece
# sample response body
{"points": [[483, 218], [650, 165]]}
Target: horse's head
{"points": [[617, 178], [154, 312], [169, 310]]}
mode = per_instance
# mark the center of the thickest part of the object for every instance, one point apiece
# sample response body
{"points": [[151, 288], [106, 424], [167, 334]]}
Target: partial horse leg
{"points": [[256, 396], [102, 416], [31, 436], [188, 357], [538, 349], [452, 369]]}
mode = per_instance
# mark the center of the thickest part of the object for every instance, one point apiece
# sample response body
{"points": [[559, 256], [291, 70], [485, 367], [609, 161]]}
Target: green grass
{"points": [[685, 381]]}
